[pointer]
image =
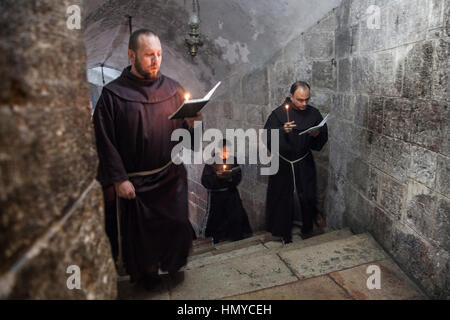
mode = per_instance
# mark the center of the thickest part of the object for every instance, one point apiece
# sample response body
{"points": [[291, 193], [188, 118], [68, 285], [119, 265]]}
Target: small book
{"points": [[189, 108], [233, 170], [320, 125]]}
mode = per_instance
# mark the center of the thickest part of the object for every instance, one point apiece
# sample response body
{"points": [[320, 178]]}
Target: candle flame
{"points": [[286, 106], [224, 167], [187, 96]]}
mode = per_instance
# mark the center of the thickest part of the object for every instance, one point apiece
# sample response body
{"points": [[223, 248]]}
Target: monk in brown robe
{"points": [[291, 192], [133, 135]]}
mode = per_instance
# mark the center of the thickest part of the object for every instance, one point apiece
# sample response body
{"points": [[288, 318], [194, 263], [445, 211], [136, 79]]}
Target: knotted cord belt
{"points": [[293, 174], [218, 190], [292, 164], [119, 213]]}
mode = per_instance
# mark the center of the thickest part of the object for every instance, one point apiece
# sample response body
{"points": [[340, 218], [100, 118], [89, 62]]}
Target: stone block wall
{"points": [[51, 206], [386, 167], [389, 154]]}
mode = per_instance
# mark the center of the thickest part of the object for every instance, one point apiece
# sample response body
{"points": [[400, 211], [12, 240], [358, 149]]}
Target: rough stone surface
{"points": [[418, 71], [382, 228], [255, 87], [397, 119], [320, 288], [440, 68], [390, 155], [443, 175], [79, 241], [375, 116], [48, 158], [235, 277], [392, 194], [363, 74], [344, 74], [319, 45], [441, 231], [394, 285], [430, 125], [324, 75], [423, 166], [388, 74], [322, 259], [424, 262]]}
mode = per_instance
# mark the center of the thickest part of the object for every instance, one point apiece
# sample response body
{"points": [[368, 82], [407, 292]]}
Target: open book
{"points": [[233, 170], [320, 125], [190, 108]]}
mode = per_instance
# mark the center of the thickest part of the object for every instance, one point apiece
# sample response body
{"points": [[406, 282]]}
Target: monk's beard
{"points": [[145, 74]]}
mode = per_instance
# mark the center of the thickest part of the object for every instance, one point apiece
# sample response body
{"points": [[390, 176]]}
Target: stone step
{"points": [[207, 248], [333, 256], [204, 248], [344, 285], [234, 244], [318, 239], [201, 241], [250, 273], [219, 258], [254, 248]]}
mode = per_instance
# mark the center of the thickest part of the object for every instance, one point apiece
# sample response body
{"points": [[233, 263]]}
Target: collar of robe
{"points": [[131, 88]]}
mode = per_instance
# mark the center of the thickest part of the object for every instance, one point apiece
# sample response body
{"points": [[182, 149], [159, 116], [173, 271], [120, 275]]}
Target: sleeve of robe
{"points": [[111, 168], [209, 178], [318, 142], [285, 138]]}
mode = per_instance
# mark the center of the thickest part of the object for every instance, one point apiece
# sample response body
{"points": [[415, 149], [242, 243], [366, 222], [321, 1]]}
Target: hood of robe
{"points": [[131, 88]]}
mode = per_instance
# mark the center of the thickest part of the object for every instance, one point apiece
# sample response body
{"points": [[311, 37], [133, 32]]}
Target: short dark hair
{"points": [[298, 84], [133, 44]]}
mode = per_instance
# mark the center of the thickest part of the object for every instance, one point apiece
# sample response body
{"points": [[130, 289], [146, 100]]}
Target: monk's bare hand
{"points": [[288, 126], [125, 190], [190, 121], [314, 133]]}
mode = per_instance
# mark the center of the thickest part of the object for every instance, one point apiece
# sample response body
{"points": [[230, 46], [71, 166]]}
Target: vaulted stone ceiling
{"points": [[239, 34]]}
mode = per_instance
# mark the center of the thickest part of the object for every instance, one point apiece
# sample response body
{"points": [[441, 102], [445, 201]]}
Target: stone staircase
{"points": [[332, 265]]}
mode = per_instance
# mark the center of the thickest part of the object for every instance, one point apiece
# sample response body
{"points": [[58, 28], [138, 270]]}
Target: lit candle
{"points": [[287, 112], [224, 167], [187, 96]]}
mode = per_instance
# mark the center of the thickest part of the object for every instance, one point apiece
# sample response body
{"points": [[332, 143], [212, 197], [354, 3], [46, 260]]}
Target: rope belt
{"points": [[218, 190], [297, 203], [119, 213], [292, 165], [149, 173]]}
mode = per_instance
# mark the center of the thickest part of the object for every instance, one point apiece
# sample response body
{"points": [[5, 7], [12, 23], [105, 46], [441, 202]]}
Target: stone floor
{"points": [[328, 266]]}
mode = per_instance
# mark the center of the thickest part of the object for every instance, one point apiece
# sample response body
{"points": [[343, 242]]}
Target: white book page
{"points": [[321, 124]]}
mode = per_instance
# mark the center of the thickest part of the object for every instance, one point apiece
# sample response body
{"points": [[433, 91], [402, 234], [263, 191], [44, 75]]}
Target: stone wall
{"points": [[389, 153], [51, 206], [386, 167]]}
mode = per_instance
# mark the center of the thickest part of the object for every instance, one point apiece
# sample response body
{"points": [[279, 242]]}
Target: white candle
{"points": [[287, 112]]}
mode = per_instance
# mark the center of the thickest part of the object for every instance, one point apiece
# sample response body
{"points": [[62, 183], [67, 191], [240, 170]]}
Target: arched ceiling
{"points": [[239, 34]]}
